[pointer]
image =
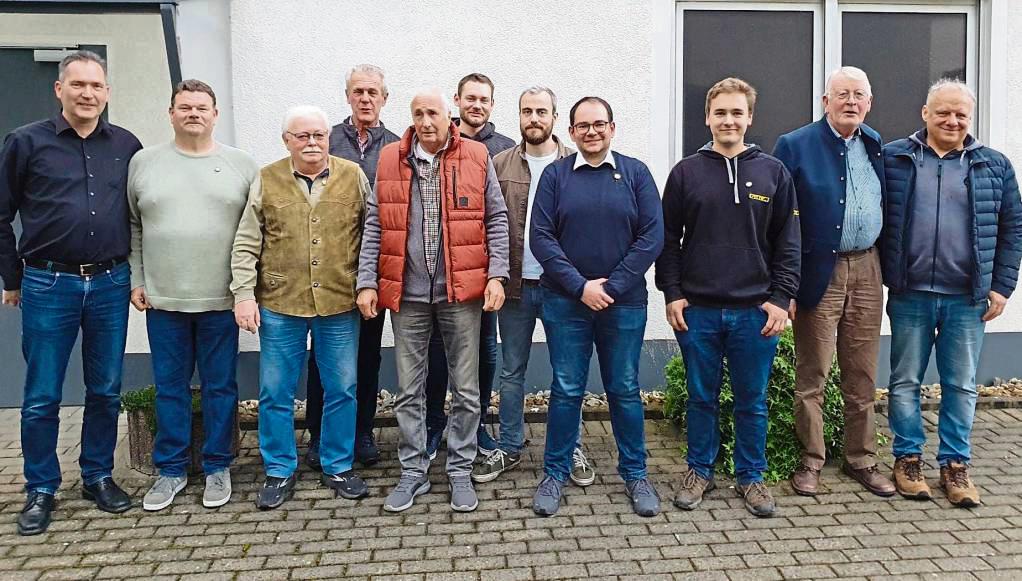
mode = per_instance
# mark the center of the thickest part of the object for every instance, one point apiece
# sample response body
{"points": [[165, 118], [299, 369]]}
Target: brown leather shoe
{"points": [[908, 478], [805, 481], [871, 479], [960, 491]]}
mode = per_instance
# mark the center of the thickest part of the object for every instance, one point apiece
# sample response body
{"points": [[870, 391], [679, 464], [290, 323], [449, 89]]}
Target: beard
{"points": [[533, 139], [472, 123]]}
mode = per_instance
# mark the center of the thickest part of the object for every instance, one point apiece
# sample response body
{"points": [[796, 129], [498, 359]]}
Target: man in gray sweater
{"points": [[185, 199]]}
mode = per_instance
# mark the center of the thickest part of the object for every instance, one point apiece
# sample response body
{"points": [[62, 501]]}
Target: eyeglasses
{"points": [[599, 126], [304, 137], [846, 96]]}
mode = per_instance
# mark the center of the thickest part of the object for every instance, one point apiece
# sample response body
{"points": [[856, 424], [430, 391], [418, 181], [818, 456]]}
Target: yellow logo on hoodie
{"points": [[759, 198]]}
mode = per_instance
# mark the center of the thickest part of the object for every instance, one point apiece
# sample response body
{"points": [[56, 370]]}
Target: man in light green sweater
{"points": [[185, 200]]}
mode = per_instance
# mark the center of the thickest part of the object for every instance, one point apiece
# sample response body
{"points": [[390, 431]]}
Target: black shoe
{"points": [[312, 457], [35, 517], [346, 485], [275, 492], [366, 453], [108, 496]]}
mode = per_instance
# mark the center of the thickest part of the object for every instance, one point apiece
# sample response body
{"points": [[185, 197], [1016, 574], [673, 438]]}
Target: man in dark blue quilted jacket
{"points": [[950, 254]]}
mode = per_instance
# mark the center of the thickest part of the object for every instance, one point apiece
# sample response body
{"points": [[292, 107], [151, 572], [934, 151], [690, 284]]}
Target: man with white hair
{"points": [[952, 243], [294, 263], [435, 246], [838, 174]]}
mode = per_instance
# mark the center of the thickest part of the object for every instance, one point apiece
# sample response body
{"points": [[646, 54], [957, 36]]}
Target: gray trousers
{"points": [[459, 327]]}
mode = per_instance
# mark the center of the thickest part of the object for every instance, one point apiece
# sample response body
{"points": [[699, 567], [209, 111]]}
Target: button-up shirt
{"points": [[70, 193], [428, 172], [863, 203]]}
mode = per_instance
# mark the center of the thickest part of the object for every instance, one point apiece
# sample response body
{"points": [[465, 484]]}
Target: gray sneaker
{"points": [[691, 491], [403, 495], [218, 489], [163, 492], [758, 500], [463, 494], [645, 500], [494, 465], [582, 472], [547, 500]]}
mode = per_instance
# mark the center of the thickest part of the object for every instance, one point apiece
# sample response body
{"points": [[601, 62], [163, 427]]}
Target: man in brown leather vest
{"points": [[294, 263]]}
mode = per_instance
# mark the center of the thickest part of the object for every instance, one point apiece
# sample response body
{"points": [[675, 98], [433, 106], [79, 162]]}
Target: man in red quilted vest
{"points": [[435, 245]]}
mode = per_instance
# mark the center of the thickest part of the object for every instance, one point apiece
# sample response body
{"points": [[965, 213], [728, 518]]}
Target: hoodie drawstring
{"points": [[732, 177]]}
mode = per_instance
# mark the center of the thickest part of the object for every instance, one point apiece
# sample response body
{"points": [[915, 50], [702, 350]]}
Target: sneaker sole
{"points": [[709, 487], [217, 503], [153, 507], [342, 493], [924, 495], [482, 478], [583, 482], [422, 489]]}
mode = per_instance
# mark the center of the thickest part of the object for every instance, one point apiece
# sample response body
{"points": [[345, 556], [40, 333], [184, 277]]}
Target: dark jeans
{"points": [[54, 306], [572, 329], [177, 342], [370, 336], [436, 378], [712, 336]]}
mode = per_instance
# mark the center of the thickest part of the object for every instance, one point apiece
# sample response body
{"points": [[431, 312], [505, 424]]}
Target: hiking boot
{"points": [[218, 489], [758, 500], [403, 495], [691, 491], [463, 494], [163, 492], [805, 481], [547, 500], [346, 485], [494, 465], [645, 500], [433, 439], [486, 444], [960, 491], [582, 472], [871, 479], [909, 480], [366, 452]]}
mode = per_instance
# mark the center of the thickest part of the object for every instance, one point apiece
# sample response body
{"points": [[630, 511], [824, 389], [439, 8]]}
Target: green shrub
{"points": [[783, 449], [144, 400]]}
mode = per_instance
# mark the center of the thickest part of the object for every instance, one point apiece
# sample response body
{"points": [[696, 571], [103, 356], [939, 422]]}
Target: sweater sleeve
{"points": [[786, 239], [543, 239], [649, 238], [369, 255], [669, 274], [498, 242], [135, 221], [1009, 236], [248, 246]]}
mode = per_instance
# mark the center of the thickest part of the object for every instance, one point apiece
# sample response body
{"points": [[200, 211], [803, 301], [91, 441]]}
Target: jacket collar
{"points": [[408, 140], [864, 131], [562, 150], [485, 133]]}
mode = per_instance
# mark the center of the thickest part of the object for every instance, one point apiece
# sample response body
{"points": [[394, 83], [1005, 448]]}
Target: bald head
{"points": [[431, 117]]}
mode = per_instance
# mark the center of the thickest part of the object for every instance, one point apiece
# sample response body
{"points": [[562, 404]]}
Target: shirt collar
{"points": [[323, 174], [581, 161], [856, 133], [61, 125], [419, 152]]}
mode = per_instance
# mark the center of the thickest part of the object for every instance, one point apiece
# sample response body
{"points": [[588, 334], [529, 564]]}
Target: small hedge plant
{"points": [[784, 453], [144, 400]]}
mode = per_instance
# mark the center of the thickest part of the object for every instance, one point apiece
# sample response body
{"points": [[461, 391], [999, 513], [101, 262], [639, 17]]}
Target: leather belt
{"points": [[530, 282], [78, 269], [854, 253]]}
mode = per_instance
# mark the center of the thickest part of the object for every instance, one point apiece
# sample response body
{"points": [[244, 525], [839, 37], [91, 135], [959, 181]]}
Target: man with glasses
{"points": [[596, 229], [294, 261], [435, 247], [519, 170], [838, 174]]}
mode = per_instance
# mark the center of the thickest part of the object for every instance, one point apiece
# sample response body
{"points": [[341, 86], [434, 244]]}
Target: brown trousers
{"points": [[848, 319]]}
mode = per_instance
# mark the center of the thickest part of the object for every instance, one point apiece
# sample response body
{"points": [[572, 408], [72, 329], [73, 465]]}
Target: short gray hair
{"points": [[946, 83], [536, 90], [368, 70], [301, 112], [80, 56], [435, 92], [854, 73]]}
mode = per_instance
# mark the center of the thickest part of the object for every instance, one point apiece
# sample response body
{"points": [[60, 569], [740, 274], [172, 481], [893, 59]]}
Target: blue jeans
{"points": [[712, 336], [53, 307], [517, 319], [617, 331], [283, 345], [919, 322], [437, 378], [177, 342]]}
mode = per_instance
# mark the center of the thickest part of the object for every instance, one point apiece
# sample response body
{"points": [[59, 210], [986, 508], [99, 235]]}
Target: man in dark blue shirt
{"points": [[66, 177], [596, 228]]}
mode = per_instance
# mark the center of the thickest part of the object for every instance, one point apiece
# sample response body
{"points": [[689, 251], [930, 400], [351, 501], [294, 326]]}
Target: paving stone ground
{"points": [[847, 533]]}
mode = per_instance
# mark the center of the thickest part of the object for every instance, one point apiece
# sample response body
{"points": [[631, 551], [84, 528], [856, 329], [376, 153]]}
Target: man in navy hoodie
{"points": [[596, 229], [729, 270]]}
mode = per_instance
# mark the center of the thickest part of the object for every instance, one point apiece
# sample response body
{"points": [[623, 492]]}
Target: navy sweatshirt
{"points": [[591, 223], [731, 231]]}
